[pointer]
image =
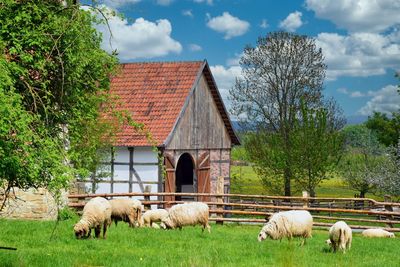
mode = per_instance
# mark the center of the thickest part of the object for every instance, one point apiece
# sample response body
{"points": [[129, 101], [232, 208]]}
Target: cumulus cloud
{"points": [[385, 100], [292, 22], [209, 2], [229, 25], [358, 54], [264, 24], [118, 3], [187, 13], [164, 2], [225, 79], [358, 15], [195, 47]]}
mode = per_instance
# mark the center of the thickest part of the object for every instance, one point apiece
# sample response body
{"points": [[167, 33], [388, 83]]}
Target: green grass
{"points": [[249, 183], [227, 245]]}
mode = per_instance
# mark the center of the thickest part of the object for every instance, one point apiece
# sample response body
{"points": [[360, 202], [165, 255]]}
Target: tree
{"points": [[54, 79], [387, 129], [318, 147], [282, 69], [364, 155]]}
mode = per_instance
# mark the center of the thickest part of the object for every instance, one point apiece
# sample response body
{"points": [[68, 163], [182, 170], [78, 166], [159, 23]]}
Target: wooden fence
{"points": [[360, 213]]}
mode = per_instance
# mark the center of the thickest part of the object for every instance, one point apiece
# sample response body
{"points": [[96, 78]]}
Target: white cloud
{"points": [[358, 15], [187, 13], [353, 94], [292, 22], [209, 2], [164, 2], [229, 25], [195, 47], [358, 54], [142, 39], [343, 90], [385, 100], [225, 79], [118, 3], [264, 24]]}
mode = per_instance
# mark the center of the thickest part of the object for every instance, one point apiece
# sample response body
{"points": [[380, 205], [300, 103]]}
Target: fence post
{"points": [[220, 190], [388, 198], [147, 189], [305, 199]]}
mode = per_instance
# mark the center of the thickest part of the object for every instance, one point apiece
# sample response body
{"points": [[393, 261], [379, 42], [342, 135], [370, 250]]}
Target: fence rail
{"points": [[365, 212]]}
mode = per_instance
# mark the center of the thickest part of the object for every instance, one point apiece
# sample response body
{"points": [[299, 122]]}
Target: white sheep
{"points": [[192, 213], [126, 210], [376, 232], [152, 216], [340, 236], [96, 213], [293, 223]]}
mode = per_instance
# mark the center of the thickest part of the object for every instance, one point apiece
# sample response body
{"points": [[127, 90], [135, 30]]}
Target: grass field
{"points": [[249, 183], [227, 245]]}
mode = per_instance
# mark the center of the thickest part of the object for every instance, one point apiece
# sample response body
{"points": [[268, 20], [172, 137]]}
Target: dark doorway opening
{"points": [[184, 176]]}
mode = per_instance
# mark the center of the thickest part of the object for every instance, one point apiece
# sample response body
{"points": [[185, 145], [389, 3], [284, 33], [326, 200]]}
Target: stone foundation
{"points": [[36, 204]]}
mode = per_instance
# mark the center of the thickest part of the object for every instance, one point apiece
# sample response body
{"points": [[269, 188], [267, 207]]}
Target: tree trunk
{"points": [[312, 192], [362, 194], [287, 178]]}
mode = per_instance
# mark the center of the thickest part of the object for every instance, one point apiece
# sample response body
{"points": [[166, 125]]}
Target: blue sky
{"points": [[359, 38]]}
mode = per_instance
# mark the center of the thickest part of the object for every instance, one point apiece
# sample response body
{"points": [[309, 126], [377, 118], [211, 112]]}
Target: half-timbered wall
{"points": [[201, 125], [128, 169]]}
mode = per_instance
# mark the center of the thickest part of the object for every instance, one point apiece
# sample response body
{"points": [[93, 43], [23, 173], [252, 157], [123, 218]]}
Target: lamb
{"points": [[293, 223], [127, 210], [377, 233], [192, 213], [152, 216], [96, 213], [340, 236]]}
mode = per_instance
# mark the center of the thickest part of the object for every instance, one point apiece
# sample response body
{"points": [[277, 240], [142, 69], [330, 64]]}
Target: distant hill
{"points": [[351, 120]]}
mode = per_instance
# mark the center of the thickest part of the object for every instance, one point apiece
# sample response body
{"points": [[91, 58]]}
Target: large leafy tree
{"points": [[318, 146], [386, 128], [279, 71], [364, 156], [54, 79]]}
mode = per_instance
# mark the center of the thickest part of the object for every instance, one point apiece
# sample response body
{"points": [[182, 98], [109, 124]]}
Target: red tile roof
{"points": [[154, 93]]}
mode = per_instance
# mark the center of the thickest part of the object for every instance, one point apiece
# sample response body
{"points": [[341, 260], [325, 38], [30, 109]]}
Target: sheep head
{"points": [[167, 223], [81, 230]]}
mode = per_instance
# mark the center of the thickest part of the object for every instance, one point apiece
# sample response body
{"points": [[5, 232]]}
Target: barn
{"points": [[180, 105]]}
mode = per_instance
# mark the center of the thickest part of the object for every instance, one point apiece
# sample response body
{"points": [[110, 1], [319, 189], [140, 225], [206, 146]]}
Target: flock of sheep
{"points": [[100, 212]]}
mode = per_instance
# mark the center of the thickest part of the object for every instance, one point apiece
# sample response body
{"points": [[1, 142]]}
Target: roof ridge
{"points": [[152, 62]]}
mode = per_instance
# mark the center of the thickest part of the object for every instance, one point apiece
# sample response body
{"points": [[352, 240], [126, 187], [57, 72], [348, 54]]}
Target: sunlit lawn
{"points": [[227, 245]]}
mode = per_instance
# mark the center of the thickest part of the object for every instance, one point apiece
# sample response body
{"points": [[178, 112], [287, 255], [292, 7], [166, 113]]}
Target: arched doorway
{"points": [[184, 176]]}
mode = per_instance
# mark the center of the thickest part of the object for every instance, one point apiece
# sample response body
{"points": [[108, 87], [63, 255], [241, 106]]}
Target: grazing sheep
{"points": [[293, 223], [126, 210], [340, 236], [192, 213], [96, 213], [377, 233], [152, 216]]}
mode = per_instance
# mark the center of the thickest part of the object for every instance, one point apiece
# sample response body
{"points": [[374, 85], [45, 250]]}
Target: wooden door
{"points": [[203, 175], [169, 183]]}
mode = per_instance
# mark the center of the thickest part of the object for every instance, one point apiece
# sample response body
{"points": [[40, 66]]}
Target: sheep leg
{"points": [[97, 231], [105, 230]]}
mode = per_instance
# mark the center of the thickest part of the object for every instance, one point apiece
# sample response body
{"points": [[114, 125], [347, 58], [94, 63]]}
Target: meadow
{"points": [[227, 245]]}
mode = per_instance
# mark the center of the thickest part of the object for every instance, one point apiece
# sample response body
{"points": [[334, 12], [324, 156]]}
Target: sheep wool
{"points": [[192, 213], [293, 223], [376, 232], [340, 236], [152, 216], [96, 213], [126, 210]]}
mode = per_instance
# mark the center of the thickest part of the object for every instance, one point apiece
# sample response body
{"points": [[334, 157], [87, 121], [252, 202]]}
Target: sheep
{"points": [[293, 223], [377, 233], [96, 213], [192, 213], [340, 236], [152, 216], [127, 210]]}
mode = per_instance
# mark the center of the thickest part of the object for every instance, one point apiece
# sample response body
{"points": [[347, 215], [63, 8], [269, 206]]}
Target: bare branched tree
{"points": [[282, 69]]}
